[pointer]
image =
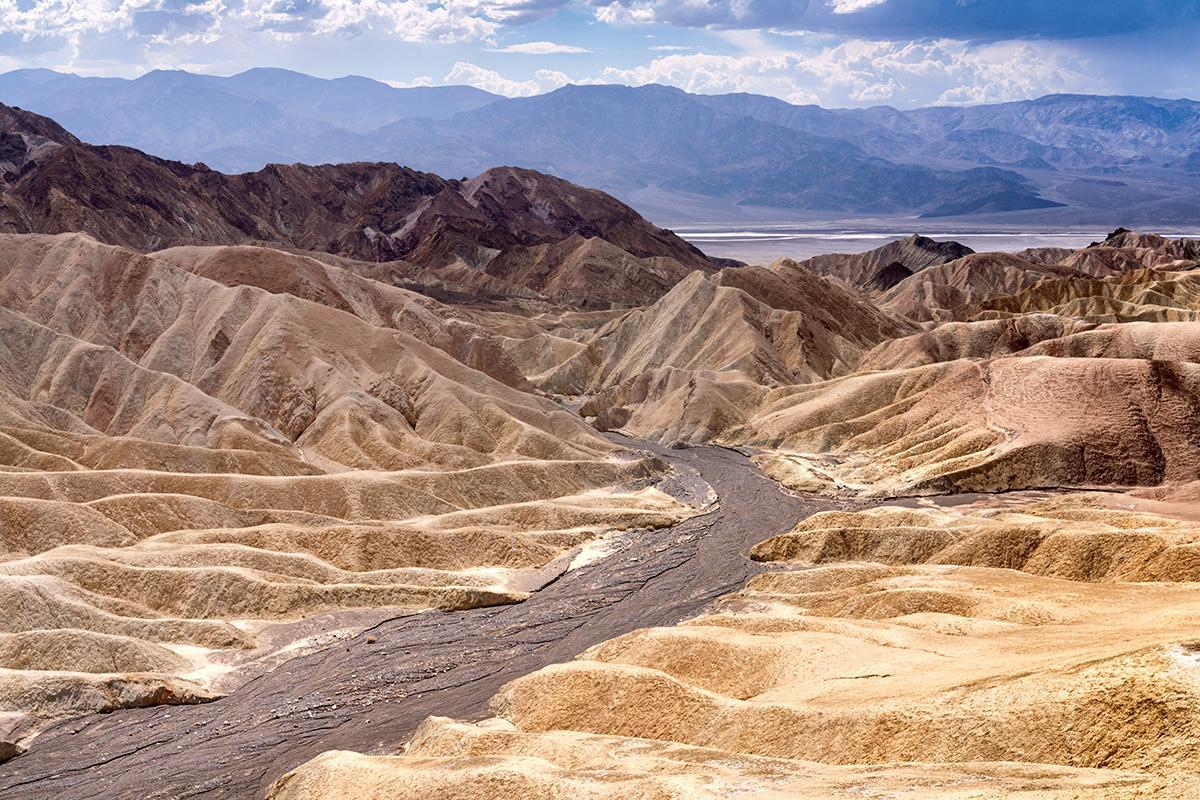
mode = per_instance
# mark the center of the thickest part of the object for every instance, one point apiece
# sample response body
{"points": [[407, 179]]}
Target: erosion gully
{"points": [[370, 693]]}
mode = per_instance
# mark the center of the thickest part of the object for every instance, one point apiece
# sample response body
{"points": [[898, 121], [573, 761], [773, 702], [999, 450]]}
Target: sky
{"points": [[836, 53]]}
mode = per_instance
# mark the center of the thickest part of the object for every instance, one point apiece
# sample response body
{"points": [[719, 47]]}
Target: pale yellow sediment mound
{"points": [[941, 293], [856, 679], [983, 406], [453, 330], [748, 320], [124, 344], [471, 762], [997, 425], [1149, 295], [1039, 335], [953, 290], [31, 697], [975, 340], [1071, 538], [672, 405], [148, 572], [696, 362]]}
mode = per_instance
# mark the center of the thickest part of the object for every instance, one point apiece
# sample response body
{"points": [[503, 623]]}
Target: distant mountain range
{"points": [[508, 232], [1078, 158]]}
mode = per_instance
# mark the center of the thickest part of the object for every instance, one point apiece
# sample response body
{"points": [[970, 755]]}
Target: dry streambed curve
{"points": [[370, 693]]}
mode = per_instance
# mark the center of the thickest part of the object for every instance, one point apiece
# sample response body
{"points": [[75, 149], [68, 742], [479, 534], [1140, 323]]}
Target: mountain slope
{"points": [[624, 139], [1104, 157], [914, 253], [376, 212]]}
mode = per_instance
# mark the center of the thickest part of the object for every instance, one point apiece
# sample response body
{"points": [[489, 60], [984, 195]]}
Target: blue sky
{"points": [[832, 52]]}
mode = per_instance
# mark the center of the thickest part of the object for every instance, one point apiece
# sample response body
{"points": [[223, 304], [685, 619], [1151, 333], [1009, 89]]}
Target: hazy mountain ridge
{"points": [[1094, 154], [236, 123], [50, 182]]}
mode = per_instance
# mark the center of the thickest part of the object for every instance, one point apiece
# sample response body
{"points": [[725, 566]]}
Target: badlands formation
{"points": [[256, 421], [1031, 635]]}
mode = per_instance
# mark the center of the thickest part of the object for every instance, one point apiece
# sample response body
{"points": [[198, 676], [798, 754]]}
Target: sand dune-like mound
{"points": [[1066, 539], [1038, 335], [55, 380], [443, 326], [940, 292], [672, 405], [973, 340], [934, 282], [752, 323], [176, 576], [1163, 341], [831, 685], [317, 380], [698, 362], [1151, 244], [1146, 295], [985, 426], [455, 760], [903, 679]]}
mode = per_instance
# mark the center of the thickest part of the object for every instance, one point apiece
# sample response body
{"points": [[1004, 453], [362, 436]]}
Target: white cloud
{"points": [[65, 17], [544, 80], [860, 72], [853, 6], [420, 81], [447, 21], [541, 48], [407, 20], [670, 48]]}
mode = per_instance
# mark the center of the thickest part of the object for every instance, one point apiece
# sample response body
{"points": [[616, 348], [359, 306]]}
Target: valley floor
{"points": [[371, 692]]}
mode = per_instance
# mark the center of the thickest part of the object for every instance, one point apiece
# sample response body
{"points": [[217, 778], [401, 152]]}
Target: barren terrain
{"points": [[352, 481]]}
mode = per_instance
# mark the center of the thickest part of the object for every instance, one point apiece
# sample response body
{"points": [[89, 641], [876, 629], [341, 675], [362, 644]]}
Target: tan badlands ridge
{"points": [[268, 436]]}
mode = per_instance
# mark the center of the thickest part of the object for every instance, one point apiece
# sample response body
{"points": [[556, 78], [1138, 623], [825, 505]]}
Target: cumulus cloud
{"points": [[852, 6], [544, 80], [407, 20], [860, 72], [446, 21], [541, 48]]}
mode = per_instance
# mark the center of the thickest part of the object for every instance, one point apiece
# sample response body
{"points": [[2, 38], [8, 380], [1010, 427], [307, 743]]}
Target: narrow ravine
{"points": [[370, 693]]}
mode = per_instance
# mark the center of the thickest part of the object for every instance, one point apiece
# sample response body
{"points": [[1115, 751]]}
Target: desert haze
{"points": [[353, 481]]}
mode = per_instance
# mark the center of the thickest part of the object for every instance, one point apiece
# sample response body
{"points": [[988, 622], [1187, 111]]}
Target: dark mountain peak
{"points": [[912, 253], [1123, 237], [26, 138], [545, 203], [19, 121], [888, 276], [946, 250]]}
